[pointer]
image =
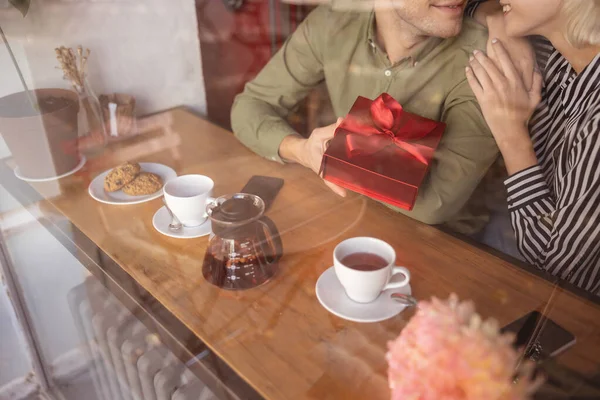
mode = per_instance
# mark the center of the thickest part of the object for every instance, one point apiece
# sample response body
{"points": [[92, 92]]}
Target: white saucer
{"points": [[332, 296], [162, 219], [82, 161], [96, 188]]}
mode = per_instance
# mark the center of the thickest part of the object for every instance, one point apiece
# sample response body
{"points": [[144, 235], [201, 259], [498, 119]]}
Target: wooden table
{"points": [[278, 337]]}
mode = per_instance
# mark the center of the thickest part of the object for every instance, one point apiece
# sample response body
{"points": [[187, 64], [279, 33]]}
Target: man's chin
{"points": [[449, 32]]}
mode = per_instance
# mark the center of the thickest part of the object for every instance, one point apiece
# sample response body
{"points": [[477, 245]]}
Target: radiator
{"points": [[126, 361]]}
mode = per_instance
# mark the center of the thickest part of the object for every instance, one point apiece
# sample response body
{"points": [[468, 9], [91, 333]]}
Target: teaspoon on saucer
{"points": [[405, 299], [175, 224]]}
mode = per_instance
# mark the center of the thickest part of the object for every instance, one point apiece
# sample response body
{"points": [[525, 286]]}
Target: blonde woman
{"points": [[549, 135]]}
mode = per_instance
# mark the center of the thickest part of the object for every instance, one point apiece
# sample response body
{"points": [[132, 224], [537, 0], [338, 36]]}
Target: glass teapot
{"points": [[244, 251]]}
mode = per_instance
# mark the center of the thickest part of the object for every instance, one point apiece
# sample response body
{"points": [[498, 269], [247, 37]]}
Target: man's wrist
{"points": [[291, 149]]}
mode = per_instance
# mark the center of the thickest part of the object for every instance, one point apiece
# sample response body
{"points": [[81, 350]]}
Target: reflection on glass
{"points": [[471, 157]]}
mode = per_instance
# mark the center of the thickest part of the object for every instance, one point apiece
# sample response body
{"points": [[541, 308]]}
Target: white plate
{"points": [[162, 219], [82, 161], [96, 188], [332, 296]]}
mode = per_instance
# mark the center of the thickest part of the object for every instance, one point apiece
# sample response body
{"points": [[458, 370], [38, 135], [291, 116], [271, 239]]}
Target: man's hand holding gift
{"points": [[309, 152]]}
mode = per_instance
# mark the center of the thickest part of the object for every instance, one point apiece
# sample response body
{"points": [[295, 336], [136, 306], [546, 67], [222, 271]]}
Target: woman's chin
{"points": [[515, 29]]}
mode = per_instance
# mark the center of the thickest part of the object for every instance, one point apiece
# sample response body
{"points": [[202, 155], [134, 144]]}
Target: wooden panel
{"points": [[236, 44], [277, 336]]}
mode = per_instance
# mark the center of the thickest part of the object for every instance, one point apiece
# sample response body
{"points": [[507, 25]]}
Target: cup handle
{"points": [[209, 200], [402, 283]]}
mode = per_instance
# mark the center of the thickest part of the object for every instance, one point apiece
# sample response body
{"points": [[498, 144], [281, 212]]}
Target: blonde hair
{"points": [[583, 22]]}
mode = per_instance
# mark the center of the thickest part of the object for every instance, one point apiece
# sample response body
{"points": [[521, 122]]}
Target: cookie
{"points": [[144, 183], [121, 176]]}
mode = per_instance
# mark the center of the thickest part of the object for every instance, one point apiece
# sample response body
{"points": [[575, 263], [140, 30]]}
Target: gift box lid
{"points": [[389, 160]]}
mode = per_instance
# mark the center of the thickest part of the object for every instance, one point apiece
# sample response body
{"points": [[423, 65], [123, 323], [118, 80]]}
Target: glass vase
{"points": [[94, 138]]}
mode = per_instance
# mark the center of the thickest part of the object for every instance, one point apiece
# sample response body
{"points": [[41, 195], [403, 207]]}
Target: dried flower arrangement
{"points": [[73, 65], [447, 352]]}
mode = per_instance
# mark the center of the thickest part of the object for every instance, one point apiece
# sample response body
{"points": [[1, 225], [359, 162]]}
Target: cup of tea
{"points": [[365, 267], [187, 196]]}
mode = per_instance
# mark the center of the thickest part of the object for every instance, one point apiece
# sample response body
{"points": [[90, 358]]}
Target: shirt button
{"points": [[387, 72]]}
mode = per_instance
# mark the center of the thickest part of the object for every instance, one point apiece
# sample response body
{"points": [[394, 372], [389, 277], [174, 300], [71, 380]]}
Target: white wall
{"points": [[147, 48]]}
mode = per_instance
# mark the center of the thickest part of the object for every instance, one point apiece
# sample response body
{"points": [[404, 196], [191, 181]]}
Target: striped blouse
{"points": [[555, 205]]}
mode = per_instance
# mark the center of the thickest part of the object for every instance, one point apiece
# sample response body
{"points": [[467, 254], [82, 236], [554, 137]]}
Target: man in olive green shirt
{"points": [[416, 52]]}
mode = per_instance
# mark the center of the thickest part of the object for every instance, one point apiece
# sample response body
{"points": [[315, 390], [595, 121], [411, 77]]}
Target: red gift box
{"points": [[382, 151]]}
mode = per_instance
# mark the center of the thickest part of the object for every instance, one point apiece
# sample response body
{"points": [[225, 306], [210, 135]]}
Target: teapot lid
{"points": [[235, 209]]}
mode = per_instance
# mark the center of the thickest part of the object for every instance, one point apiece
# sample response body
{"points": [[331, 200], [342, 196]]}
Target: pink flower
{"points": [[447, 352]]}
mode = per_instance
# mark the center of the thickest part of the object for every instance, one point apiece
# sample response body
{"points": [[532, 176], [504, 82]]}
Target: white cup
{"points": [[365, 286], [187, 197]]}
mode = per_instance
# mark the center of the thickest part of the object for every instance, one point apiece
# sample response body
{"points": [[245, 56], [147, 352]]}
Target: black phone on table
{"points": [[539, 336], [265, 187]]}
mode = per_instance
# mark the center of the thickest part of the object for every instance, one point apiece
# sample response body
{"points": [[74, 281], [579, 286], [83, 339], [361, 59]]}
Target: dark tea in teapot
{"points": [[245, 248]]}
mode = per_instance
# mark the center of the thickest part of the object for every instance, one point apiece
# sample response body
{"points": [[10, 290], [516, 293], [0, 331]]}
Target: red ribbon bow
{"points": [[387, 126]]}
